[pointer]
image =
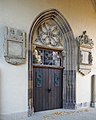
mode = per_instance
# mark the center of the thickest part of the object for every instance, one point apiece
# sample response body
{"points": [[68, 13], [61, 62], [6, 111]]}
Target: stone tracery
{"points": [[49, 34]]}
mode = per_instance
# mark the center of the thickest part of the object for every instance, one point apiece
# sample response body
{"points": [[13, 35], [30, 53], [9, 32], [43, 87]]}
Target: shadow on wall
{"points": [[0, 92]]}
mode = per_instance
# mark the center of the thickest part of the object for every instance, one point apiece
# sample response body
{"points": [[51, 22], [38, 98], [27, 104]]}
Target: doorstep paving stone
{"points": [[61, 114]]}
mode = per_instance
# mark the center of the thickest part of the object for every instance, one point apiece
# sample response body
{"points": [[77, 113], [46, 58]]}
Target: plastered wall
{"points": [[20, 14]]}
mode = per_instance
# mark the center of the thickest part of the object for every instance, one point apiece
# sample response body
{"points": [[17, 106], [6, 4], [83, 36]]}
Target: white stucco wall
{"points": [[20, 14]]}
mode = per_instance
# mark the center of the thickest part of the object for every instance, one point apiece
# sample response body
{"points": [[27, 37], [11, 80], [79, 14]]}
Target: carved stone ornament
{"points": [[84, 40], [14, 46], [85, 58], [49, 35]]}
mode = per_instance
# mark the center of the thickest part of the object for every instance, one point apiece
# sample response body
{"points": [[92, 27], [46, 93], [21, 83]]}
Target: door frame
{"points": [[69, 63]]}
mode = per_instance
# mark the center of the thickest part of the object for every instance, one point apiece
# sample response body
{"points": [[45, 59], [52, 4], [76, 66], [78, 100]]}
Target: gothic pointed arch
{"points": [[69, 63]]}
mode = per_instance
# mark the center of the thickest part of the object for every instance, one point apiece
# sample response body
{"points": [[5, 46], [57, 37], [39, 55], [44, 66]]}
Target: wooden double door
{"points": [[48, 84]]}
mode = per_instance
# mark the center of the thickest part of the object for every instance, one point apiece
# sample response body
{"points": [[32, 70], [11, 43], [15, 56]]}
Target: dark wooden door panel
{"points": [[55, 95], [38, 81], [47, 88], [44, 89]]}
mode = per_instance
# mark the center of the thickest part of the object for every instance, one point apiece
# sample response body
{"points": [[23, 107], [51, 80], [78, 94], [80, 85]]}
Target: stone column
{"points": [[93, 91]]}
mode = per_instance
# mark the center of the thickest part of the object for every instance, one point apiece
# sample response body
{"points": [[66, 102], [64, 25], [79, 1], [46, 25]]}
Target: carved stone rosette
{"points": [[85, 57], [14, 46], [49, 35]]}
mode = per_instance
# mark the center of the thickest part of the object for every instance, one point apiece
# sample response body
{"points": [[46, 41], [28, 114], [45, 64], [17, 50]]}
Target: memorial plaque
{"points": [[85, 58], [14, 46]]}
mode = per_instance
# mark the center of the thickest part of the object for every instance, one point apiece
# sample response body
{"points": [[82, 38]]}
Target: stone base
{"points": [[93, 104], [83, 105], [77, 106], [69, 106], [30, 112]]}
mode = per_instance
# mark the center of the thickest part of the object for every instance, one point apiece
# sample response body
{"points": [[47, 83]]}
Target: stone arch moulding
{"points": [[69, 63]]}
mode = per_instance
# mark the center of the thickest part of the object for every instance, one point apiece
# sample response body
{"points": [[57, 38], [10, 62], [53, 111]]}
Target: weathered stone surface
{"points": [[14, 46]]}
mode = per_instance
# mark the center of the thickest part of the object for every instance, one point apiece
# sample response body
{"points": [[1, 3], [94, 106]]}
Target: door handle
{"points": [[49, 90]]}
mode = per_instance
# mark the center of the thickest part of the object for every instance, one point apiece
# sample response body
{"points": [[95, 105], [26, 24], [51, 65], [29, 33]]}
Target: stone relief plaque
{"points": [[14, 46], [85, 58]]}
